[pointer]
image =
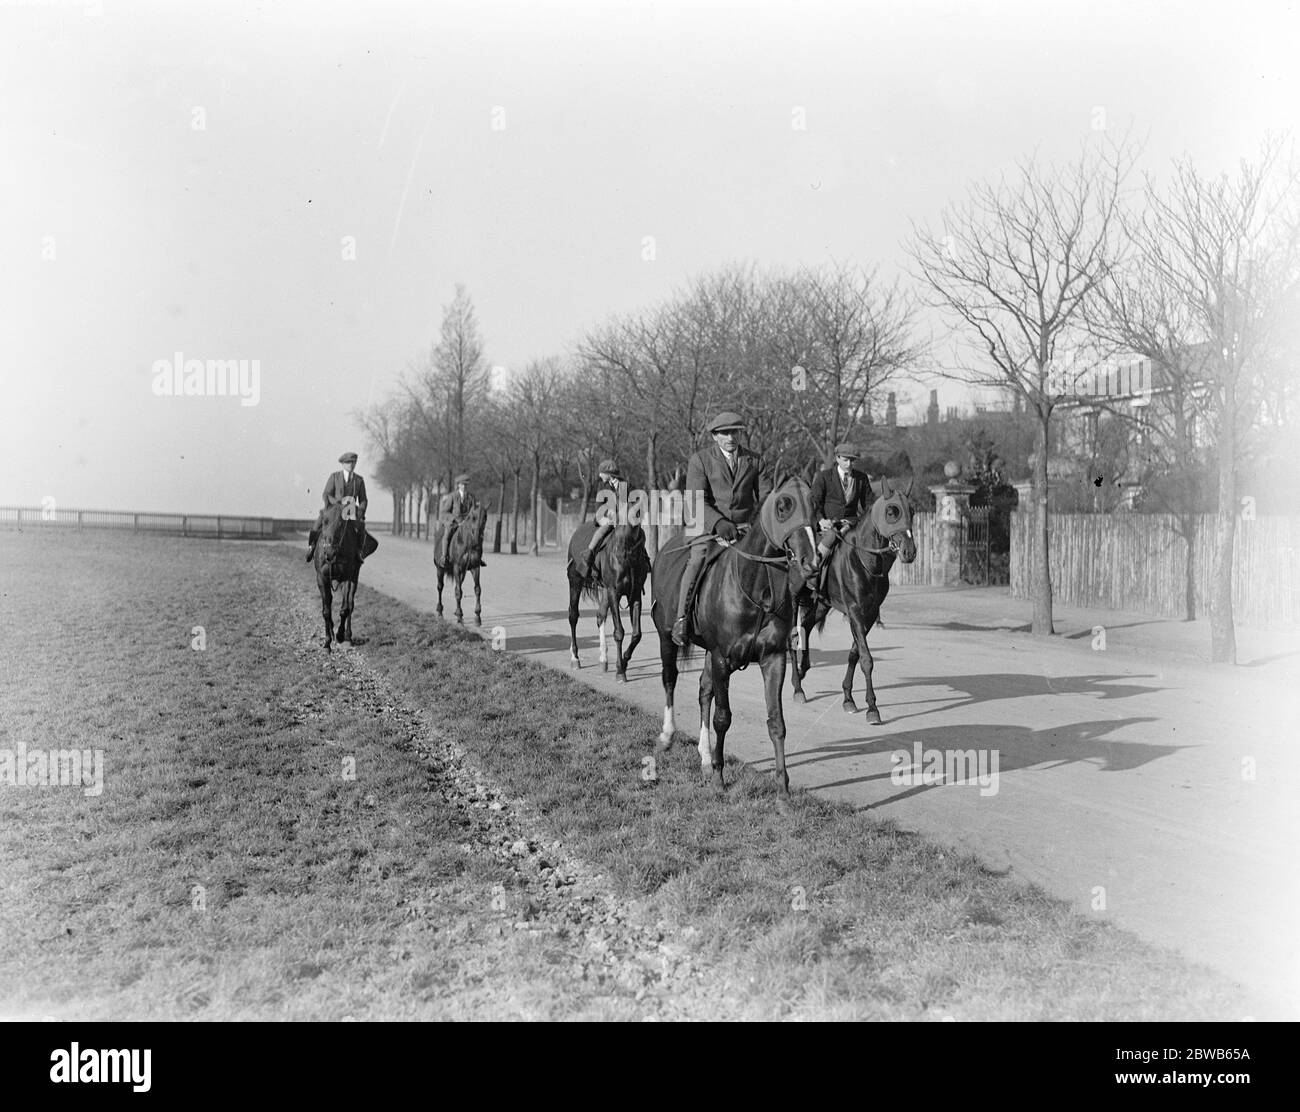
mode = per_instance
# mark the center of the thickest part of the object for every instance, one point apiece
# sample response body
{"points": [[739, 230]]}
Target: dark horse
{"points": [[857, 582], [618, 570], [338, 563], [465, 555], [742, 613]]}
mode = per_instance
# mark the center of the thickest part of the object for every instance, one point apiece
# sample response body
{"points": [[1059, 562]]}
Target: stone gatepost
{"points": [[952, 504]]}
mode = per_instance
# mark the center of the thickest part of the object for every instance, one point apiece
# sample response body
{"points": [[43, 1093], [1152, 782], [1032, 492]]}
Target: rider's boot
{"points": [[681, 630], [312, 537]]}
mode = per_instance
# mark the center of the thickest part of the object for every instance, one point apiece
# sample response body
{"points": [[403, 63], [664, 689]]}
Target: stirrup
{"points": [[681, 631]]}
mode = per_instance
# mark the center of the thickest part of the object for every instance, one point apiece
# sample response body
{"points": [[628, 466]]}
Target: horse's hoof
{"points": [[719, 785], [783, 804], [799, 697], [477, 620], [850, 707], [873, 716], [604, 665], [665, 742], [574, 662], [621, 677]]}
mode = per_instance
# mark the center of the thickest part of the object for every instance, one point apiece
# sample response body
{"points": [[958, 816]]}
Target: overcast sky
{"points": [[524, 149]]}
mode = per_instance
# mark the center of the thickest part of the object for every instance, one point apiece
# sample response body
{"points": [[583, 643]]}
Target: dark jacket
{"points": [[736, 498], [456, 508], [828, 495], [337, 488]]}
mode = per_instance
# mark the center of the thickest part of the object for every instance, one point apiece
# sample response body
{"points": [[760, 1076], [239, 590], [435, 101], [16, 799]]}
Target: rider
{"points": [[342, 484], [837, 495], [734, 484], [610, 479], [456, 507]]}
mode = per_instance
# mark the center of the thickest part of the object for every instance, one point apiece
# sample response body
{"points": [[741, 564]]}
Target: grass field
{"points": [[420, 827]]}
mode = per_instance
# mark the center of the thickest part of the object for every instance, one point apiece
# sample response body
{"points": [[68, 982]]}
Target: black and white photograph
{"points": [[650, 510]]}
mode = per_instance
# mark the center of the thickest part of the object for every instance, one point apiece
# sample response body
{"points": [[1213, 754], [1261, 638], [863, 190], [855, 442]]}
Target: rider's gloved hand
{"points": [[825, 523], [725, 530]]}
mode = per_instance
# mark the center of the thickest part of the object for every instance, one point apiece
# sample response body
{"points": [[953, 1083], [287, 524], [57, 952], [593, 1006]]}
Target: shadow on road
{"points": [[992, 686], [1017, 747]]}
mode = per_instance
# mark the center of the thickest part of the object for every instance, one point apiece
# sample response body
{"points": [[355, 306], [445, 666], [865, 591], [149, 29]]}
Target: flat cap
{"points": [[847, 449], [348, 457], [609, 467], [462, 478], [726, 420]]}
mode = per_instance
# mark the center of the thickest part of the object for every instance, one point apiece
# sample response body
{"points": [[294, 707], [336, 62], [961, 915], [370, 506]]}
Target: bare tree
{"points": [[460, 373], [1015, 267], [1226, 251]]}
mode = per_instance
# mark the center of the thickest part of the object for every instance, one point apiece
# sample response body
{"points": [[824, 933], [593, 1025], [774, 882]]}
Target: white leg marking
{"points": [[603, 658], [706, 756], [670, 726]]}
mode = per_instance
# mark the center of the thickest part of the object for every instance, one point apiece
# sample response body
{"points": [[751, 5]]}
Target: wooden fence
{"points": [[1138, 562]]}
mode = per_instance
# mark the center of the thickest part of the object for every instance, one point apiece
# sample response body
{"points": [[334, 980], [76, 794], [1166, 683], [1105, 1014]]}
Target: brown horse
{"points": [[743, 609], [618, 570], [338, 563], [464, 555], [857, 582]]}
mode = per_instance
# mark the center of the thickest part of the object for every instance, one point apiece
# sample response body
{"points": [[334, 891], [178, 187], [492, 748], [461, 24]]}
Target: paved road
{"points": [[1133, 773]]}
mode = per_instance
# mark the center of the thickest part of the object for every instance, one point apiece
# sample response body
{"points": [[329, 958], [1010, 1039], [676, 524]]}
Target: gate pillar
{"points": [[952, 504]]}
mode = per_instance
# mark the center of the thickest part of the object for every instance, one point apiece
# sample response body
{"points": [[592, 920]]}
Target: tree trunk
{"points": [[1223, 634], [1189, 568], [514, 518], [536, 547], [1041, 568], [651, 532], [501, 512]]}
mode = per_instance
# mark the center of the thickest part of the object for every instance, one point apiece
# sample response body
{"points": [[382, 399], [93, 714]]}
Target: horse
{"points": [[857, 582], [742, 613], [464, 555], [618, 570], [338, 563]]}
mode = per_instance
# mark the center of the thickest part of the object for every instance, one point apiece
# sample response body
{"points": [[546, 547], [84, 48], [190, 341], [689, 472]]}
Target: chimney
{"points": [[891, 412], [932, 413]]}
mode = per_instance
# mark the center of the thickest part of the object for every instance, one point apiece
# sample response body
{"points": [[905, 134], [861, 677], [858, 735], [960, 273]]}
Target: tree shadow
{"points": [[1017, 748]]}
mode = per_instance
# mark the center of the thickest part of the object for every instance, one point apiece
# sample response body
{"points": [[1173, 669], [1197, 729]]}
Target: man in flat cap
{"points": [[839, 494], [734, 484], [455, 508], [610, 478], [342, 484]]}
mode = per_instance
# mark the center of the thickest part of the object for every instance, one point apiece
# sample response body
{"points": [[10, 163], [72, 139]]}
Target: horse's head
{"points": [[786, 517], [333, 531], [627, 552], [891, 518]]}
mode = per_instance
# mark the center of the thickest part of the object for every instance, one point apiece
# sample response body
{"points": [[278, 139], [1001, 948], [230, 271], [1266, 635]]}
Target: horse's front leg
{"points": [[634, 615], [620, 662], [346, 596], [705, 744], [773, 666], [861, 653], [575, 589], [441, 576], [478, 597], [602, 608], [327, 609], [721, 671], [668, 668], [795, 648], [460, 593]]}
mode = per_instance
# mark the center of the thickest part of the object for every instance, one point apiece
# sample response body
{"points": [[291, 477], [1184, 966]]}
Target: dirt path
{"points": [[1143, 787]]}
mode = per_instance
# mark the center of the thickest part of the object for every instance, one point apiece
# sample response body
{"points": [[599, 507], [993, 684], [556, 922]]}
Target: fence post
{"points": [[20, 517], [218, 527], [135, 523], [78, 521]]}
